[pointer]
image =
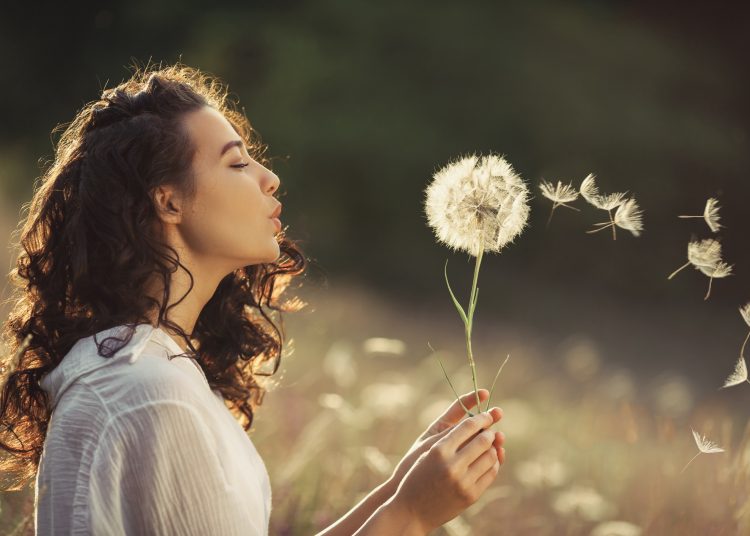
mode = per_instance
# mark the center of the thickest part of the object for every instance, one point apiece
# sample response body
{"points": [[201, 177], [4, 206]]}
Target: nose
{"points": [[272, 183]]}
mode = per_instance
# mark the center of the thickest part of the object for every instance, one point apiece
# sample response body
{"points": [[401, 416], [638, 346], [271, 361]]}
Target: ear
{"points": [[168, 203]]}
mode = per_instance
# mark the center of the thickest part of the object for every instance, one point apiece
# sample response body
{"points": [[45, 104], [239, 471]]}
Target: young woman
{"points": [[150, 251]]}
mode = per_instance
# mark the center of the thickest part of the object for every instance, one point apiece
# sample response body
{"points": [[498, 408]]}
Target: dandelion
{"points": [[739, 374], [476, 204], [721, 270], [628, 216], [710, 215], [560, 195], [704, 447], [608, 202], [705, 256]]}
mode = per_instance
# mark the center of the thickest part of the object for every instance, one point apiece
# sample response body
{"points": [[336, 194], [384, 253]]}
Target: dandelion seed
{"points": [[608, 202], [720, 270], [738, 375], [628, 216], [710, 215], [704, 447], [705, 256], [476, 204], [560, 195], [745, 313]]}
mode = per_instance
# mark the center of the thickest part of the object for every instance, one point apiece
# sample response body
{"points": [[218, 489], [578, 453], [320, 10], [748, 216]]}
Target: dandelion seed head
{"points": [[477, 202], [706, 252], [738, 375], [721, 269], [711, 214], [561, 193], [590, 193], [704, 445], [629, 217]]}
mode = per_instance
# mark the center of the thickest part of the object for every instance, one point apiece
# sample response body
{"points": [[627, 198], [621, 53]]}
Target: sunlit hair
{"points": [[91, 241]]}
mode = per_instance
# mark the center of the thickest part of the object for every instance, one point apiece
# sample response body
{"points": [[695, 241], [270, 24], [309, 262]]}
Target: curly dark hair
{"points": [[89, 243]]}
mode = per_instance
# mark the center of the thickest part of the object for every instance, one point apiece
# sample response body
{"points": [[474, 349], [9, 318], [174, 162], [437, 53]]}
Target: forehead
{"points": [[209, 131]]}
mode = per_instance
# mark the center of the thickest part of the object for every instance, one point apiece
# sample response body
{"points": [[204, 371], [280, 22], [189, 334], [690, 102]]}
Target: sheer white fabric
{"points": [[140, 444]]}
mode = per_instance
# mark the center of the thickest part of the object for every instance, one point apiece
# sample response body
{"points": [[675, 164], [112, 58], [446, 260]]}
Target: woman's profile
{"points": [[149, 256]]}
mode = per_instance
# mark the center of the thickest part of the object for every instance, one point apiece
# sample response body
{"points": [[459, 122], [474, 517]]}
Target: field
{"points": [[588, 443]]}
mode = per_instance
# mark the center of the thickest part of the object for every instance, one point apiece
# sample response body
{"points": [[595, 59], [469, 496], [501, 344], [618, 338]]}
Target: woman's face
{"points": [[228, 223]]}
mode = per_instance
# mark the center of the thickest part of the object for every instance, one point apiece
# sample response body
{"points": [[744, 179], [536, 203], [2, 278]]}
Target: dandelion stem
{"points": [[688, 463], [742, 350], [603, 226], [689, 216], [614, 232], [710, 280], [551, 212], [678, 270], [469, 323]]}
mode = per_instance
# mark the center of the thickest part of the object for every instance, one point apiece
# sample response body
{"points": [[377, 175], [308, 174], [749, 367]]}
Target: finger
{"points": [[498, 444], [476, 448], [480, 466], [466, 429], [487, 478], [496, 414], [455, 412]]}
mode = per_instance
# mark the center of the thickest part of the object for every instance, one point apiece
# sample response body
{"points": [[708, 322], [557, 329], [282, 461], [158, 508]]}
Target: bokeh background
{"points": [[360, 103]]}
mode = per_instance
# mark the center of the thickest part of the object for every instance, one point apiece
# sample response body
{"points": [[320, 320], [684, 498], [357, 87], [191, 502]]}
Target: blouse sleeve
{"points": [[156, 470]]}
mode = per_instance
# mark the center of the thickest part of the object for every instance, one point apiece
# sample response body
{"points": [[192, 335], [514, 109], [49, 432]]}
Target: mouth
{"points": [[277, 223]]}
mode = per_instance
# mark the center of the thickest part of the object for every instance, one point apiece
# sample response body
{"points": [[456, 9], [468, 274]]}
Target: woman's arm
{"points": [[356, 517]]}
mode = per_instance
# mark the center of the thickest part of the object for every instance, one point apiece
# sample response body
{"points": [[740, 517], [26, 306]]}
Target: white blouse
{"points": [[138, 444]]}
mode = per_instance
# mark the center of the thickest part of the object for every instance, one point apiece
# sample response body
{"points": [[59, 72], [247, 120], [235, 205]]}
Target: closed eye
{"points": [[242, 165]]}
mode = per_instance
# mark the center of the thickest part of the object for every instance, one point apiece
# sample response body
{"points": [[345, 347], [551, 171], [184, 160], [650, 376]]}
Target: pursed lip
{"points": [[276, 213]]}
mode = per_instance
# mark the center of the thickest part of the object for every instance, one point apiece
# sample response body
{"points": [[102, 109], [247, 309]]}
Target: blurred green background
{"points": [[361, 102]]}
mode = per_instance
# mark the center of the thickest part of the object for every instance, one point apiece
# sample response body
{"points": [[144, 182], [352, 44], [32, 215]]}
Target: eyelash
{"points": [[242, 165]]}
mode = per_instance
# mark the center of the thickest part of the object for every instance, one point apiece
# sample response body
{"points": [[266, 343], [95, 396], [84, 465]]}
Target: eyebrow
{"points": [[229, 145]]}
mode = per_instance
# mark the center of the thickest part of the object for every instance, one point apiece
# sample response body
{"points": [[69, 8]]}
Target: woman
{"points": [[151, 247]]}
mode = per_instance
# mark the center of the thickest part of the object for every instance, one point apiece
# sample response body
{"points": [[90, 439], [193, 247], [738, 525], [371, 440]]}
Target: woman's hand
{"points": [[450, 476], [439, 427]]}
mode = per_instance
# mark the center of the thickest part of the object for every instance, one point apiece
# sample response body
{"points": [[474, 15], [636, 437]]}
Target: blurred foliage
{"points": [[360, 103]]}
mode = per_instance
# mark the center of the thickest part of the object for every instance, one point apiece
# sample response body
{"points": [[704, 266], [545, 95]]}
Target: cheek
{"points": [[225, 221]]}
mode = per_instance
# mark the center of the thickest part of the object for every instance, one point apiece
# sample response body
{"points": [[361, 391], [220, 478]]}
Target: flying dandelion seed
{"points": [[721, 270], [738, 375], [628, 216], [705, 256], [560, 195], [608, 202], [710, 215], [476, 204], [704, 447]]}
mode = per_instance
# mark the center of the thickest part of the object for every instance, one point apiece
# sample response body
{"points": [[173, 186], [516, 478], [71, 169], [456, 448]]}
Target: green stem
{"points": [[469, 324]]}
